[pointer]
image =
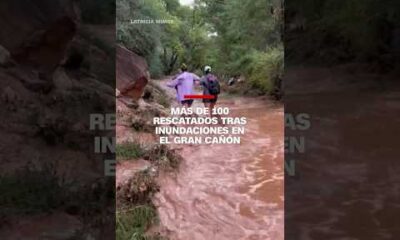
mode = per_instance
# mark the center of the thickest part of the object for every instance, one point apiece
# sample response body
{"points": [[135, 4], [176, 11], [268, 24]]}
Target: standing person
{"points": [[184, 83], [211, 86]]}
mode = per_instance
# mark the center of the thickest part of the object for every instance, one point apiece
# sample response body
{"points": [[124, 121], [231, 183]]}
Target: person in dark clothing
{"points": [[211, 86]]}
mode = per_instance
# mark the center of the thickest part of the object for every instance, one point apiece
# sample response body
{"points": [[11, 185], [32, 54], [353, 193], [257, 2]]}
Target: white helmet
{"points": [[207, 69]]}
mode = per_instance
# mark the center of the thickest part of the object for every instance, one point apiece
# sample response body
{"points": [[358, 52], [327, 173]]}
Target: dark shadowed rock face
{"points": [[4, 56], [36, 33], [44, 120], [48, 49], [132, 73]]}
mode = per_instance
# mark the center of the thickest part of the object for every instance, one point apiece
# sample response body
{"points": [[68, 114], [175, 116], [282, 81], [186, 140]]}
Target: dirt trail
{"points": [[230, 192]]}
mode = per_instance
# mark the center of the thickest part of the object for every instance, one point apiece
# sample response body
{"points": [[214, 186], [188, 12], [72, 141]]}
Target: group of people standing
{"points": [[185, 82]]}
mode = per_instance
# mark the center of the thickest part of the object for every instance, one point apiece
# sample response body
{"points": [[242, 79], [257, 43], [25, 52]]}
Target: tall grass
{"points": [[126, 151], [132, 223]]}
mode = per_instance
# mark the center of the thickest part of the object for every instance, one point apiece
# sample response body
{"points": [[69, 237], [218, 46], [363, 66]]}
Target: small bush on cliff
{"points": [[164, 101], [128, 151], [133, 223], [162, 156], [135, 211]]}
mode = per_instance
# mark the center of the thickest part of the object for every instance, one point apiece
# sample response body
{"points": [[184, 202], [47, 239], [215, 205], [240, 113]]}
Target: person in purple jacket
{"points": [[184, 85]]}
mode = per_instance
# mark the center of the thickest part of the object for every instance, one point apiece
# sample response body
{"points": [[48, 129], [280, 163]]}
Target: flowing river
{"points": [[232, 192]]}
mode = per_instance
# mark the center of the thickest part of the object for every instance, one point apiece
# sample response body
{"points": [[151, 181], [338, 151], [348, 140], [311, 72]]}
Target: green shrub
{"points": [[155, 65], [133, 223], [265, 68], [128, 151]]}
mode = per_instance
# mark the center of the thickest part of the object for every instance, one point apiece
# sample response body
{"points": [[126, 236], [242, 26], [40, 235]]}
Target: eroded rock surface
{"points": [[132, 73]]}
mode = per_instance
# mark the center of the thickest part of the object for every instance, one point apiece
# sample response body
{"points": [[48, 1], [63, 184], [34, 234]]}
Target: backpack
{"points": [[213, 85]]}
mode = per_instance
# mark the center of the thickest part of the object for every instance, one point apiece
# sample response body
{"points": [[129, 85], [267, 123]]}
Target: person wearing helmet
{"points": [[184, 84], [211, 86]]}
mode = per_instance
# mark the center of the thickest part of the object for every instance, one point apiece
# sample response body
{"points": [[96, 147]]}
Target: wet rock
{"points": [[132, 73]]}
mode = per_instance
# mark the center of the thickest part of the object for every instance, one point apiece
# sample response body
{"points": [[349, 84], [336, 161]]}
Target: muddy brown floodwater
{"points": [[232, 192]]}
